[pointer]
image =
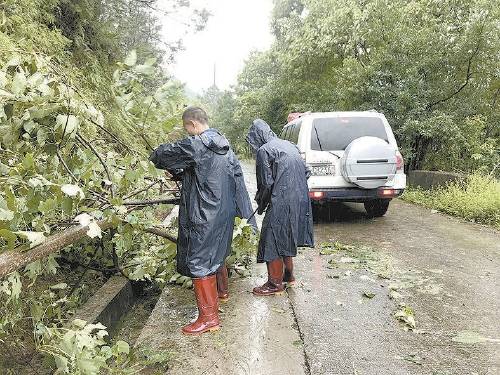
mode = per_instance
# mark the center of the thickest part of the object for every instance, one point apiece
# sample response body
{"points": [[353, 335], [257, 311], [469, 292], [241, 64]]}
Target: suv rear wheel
{"points": [[377, 207]]}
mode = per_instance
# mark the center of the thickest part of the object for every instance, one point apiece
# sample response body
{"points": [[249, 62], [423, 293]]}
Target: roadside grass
{"points": [[475, 199]]}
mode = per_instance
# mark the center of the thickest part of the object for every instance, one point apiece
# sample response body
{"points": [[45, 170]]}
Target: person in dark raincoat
{"points": [[283, 193], [213, 192]]}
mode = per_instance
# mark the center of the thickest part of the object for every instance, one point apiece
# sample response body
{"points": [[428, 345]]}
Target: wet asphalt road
{"points": [[340, 316], [445, 270]]}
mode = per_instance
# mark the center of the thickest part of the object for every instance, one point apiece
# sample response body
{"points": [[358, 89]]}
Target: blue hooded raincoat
{"points": [[282, 188], [213, 192]]}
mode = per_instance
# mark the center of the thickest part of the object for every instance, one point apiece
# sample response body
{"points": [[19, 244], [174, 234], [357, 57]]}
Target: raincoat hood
{"points": [[259, 134], [215, 141]]}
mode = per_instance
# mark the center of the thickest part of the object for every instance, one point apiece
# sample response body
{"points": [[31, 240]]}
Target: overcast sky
{"points": [[235, 28]]}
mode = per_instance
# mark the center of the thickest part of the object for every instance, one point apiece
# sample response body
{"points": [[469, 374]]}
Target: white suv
{"points": [[353, 157]]}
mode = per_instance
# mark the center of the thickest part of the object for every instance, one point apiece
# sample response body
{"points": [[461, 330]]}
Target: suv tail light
{"points": [[400, 163], [316, 194], [388, 192]]}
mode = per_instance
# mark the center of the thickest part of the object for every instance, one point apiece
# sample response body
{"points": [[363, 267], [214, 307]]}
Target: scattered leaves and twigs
{"points": [[413, 358], [329, 248], [369, 295], [406, 316]]}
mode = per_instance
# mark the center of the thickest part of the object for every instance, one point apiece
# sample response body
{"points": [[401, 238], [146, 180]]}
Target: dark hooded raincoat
{"points": [[282, 188], [213, 193]]}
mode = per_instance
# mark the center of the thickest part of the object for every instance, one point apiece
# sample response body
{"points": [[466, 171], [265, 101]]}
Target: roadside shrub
{"points": [[476, 199]]}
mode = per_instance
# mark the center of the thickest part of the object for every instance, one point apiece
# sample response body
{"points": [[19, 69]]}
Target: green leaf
{"points": [[4, 170], [33, 269], [68, 122], [34, 238], [145, 69], [88, 366], [174, 278], [47, 206], [79, 323], [18, 83], [150, 61], [73, 191], [41, 136], [3, 79], [59, 286], [131, 58], [51, 265], [6, 215], [61, 363], [122, 347], [8, 236], [6, 94], [14, 61], [94, 230], [29, 162], [67, 205], [15, 285]]}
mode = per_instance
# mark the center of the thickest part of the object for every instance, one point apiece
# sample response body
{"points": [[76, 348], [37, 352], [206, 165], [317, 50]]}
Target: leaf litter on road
{"points": [[414, 358], [406, 316], [401, 282]]}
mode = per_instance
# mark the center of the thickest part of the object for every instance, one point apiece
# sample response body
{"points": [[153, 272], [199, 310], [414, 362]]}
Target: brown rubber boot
{"points": [[222, 283], [274, 284], [205, 290], [288, 276]]}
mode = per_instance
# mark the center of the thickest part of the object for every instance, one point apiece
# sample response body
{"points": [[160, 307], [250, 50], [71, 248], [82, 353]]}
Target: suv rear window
{"points": [[336, 133]]}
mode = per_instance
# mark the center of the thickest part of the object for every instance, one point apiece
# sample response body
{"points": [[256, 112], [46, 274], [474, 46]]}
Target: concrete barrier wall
{"points": [[431, 179], [107, 306]]}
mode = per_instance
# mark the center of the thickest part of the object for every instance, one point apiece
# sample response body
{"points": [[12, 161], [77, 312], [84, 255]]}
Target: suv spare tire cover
{"points": [[369, 162]]}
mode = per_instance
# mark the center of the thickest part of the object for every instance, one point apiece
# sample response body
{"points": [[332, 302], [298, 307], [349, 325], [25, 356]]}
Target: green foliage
{"points": [[430, 66], [76, 128], [243, 247], [476, 199]]}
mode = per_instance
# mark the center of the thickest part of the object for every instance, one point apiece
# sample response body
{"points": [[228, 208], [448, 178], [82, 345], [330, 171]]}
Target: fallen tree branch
{"points": [[133, 194], [152, 202], [161, 233], [11, 261]]}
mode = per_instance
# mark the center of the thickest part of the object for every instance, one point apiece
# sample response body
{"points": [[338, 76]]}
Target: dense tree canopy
{"points": [[430, 66]]}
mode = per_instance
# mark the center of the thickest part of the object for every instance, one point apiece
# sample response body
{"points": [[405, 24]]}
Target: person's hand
{"points": [[168, 175]]}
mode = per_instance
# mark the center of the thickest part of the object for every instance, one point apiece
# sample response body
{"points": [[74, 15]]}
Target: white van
{"points": [[353, 157]]}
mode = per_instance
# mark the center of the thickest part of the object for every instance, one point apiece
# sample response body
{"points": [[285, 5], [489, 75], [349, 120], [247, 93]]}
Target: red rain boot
{"points": [[274, 284], [222, 283], [288, 276], [205, 290]]}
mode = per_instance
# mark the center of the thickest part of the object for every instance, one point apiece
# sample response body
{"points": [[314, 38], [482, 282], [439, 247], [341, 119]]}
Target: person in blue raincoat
{"points": [[213, 192], [283, 193]]}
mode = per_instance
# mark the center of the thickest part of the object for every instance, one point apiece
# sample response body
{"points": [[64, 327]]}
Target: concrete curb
{"points": [[107, 306]]}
